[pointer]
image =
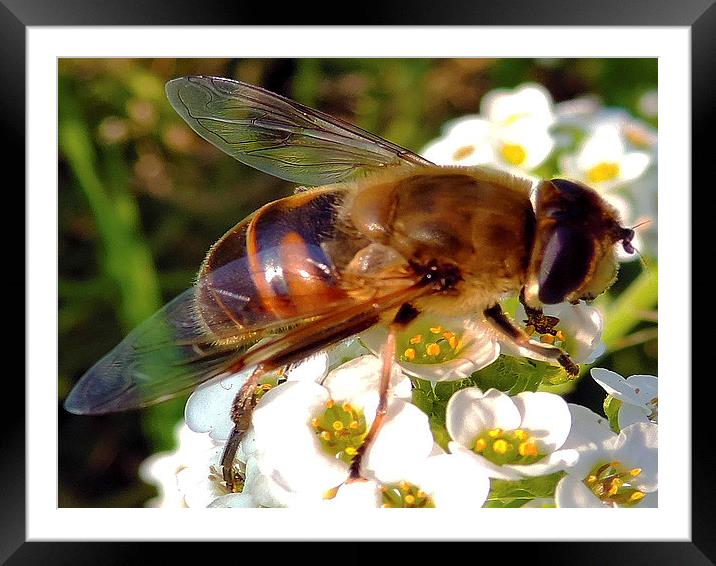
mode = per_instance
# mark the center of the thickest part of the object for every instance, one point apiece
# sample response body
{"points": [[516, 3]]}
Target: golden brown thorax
{"points": [[479, 220]]}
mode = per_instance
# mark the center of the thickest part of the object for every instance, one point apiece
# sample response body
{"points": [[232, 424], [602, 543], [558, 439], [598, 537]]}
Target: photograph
{"points": [[353, 283]]}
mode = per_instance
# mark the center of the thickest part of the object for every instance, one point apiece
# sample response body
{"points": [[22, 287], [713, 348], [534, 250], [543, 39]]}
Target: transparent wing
{"points": [[196, 337], [168, 353], [279, 136]]}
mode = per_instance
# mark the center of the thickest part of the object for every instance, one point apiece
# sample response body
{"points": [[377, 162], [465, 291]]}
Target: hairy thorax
{"points": [[477, 220]]}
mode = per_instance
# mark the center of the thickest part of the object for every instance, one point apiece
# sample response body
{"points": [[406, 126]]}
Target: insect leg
{"points": [[503, 324], [241, 409], [405, 314], [542, 323]]}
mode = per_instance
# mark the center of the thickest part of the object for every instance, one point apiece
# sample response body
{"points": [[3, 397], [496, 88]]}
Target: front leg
{"points": [[537, 320], [500, 321]]}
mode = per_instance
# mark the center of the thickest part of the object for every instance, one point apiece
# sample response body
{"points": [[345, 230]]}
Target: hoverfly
{"points": [[382, 237]]}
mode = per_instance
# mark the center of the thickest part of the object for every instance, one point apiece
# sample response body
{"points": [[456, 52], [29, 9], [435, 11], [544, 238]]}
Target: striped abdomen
{"points": [[272, 267]]}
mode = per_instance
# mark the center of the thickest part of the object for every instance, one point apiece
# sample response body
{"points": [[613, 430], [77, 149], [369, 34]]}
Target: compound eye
{"points": [[565, 264]]}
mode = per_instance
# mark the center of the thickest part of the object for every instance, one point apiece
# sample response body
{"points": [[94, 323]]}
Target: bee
{"points": [[382, 237]]}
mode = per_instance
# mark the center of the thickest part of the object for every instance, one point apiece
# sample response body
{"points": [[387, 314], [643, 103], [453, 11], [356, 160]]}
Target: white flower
{"points": [[603, 160], [579, 332], [528, 102], [439, 348], [307, 433], [638, 395], [588, 431], [512, 131], [450, 481], [587, 114], [618, 472], [511, 437], [187, 476], [209, 406], [465, 141]]}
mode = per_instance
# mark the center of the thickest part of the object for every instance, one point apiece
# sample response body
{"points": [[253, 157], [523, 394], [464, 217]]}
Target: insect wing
{"points": [[279, 136], [200, 334], [168, 353]]}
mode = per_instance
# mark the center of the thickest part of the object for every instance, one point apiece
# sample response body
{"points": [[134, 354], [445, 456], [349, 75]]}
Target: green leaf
{"points": [[611, 410], [515, 375], [506, 493]]}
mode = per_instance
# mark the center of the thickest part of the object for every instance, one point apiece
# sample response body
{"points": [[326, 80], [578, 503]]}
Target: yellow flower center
{"points": [[611, 482], [604, 171], [421, 343], [341, 429], [463, 152], [405, 494], [507, 446], [513, 153]]}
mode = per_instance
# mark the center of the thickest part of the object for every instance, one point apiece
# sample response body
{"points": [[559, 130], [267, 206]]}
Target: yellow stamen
{"points": [[448, 335], [337, 425], [613, 490], [331, 493], [354, 425], [453, 343], [637, 496], [603, 171], [634, 472], [405, 486], [519, 434], [315, 423], [417, 339], [560, 336], [409, 354], [547, 338], [432, 349], [480, 444], [330, 403], [495, 432], [351, 451], [591, 479], [463, 152], [347, 407], [436, 329], [325, 435], [410, 499], [500, 446], [527, 449], [421, 494]]}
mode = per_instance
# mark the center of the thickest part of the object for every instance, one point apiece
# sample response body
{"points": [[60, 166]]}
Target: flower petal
{"points": [[616, 386], [571, 492], [545, 416], [471, 412], [241, 500], [209, 406], [490, 469], [589, 430], [404, 437], [554, 462], [630, 414], [312, 368], [453, 482], [637, 447]]}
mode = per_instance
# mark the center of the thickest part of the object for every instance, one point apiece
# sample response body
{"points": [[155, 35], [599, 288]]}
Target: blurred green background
{"points": [[141, 199]]}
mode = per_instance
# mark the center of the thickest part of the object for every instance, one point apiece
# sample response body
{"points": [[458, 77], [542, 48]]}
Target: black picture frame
{"points": [[698, 15]]}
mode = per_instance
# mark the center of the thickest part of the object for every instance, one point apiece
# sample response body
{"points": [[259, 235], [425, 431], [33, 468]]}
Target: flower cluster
{"points": [[524, 131], [472, 420]]}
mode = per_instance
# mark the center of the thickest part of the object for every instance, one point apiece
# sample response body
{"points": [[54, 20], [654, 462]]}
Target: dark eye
{"points": [[565, 264]]}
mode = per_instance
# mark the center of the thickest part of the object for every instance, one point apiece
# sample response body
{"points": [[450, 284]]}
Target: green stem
{"points": [[625, 312]]}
